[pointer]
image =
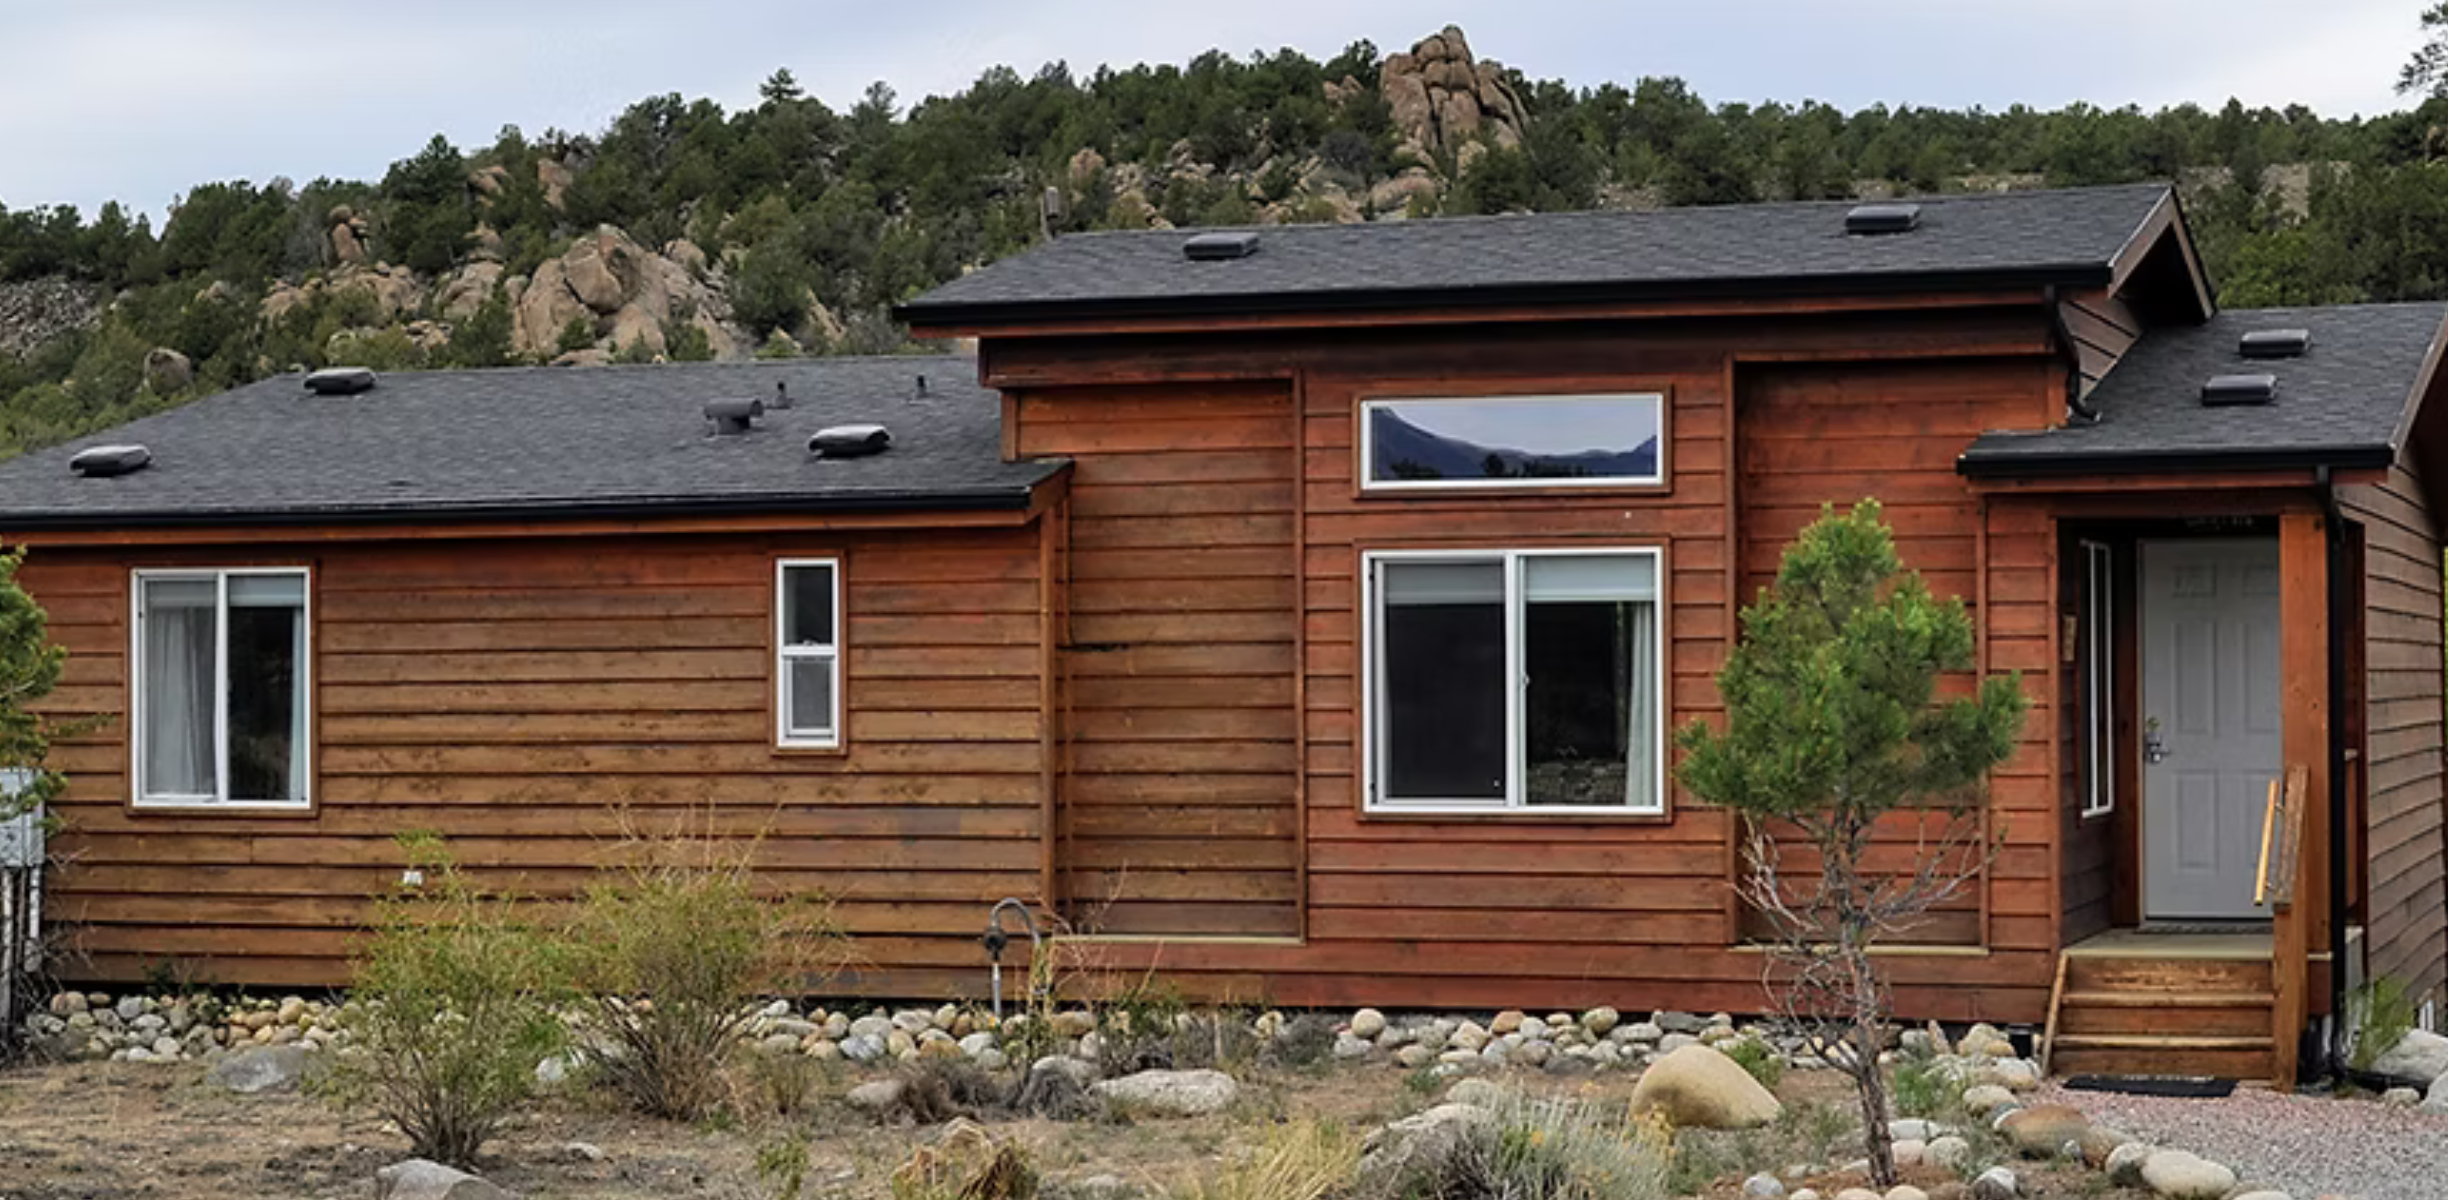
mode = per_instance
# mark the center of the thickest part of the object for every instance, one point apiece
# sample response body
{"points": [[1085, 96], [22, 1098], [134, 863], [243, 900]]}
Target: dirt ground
{"points": [[103, 1131]]}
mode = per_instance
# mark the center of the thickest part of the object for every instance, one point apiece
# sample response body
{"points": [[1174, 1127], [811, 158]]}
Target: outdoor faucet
{"points": [[996, 939]]}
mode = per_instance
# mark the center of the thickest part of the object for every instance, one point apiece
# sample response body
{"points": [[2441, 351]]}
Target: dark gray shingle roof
{"points": [[539, 440], [2346, 402], [2066, 235]]}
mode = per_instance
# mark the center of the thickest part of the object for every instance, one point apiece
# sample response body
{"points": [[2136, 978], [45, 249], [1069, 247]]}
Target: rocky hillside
{"points": [[683, 231]]}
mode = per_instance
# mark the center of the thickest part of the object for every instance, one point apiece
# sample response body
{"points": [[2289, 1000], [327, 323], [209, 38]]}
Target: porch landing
{"points": [[2140, 1002]]}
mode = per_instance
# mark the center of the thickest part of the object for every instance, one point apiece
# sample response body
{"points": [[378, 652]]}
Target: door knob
{"points": [[2154, 748]]}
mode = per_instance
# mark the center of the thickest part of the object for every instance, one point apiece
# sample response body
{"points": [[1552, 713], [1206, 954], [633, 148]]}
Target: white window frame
{"points": [[1368, 448], [785, 654], [1515, 801], [220, 801], [2098, 656]]}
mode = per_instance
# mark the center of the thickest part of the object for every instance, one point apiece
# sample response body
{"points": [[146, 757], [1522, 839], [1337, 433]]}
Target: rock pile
{"points": [[623, 293], [139, 1028], [1444, 99], [34, 312]]}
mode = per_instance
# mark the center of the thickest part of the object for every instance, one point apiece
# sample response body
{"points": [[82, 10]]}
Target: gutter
{"points": [[637, 508], [2330, 1059], [922, 314], [2013, 464]]}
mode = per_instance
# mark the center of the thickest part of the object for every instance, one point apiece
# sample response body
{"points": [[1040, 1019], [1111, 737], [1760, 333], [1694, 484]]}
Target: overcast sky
{"points": [[140, 99]]}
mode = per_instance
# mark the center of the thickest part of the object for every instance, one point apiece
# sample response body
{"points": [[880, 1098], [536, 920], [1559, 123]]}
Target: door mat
{"points": [[2192, 1087]]}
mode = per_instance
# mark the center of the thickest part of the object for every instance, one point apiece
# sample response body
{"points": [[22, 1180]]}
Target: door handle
{"points": [[2154, 747]]}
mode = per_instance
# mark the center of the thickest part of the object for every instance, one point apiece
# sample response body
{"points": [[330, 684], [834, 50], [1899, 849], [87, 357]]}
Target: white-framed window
{"points": [[221, 679], [807, 653], [1610, 439], [2095, 628], [1514, 680]]}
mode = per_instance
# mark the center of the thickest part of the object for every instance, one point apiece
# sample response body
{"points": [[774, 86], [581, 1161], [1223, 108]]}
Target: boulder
{"points": [[423, 1179], [1367, 1023], [2042, 1130], [2436, 1100], [1170, 1093], [1947, 1152], [1986, 1098], [1697, 1087], [468, 290], [2124, 1164], [2420, 1056], [261, 1069], [2182, 1175], [1600, 1022], [346, 249], [877, 1096], [167, 371], [555, 180], [2096, 1144], [1418, 1150], [1996, 1183], [1763, 1186], [1906, 1191]]}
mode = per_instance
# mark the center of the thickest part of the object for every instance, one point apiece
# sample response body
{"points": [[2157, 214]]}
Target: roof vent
{"points": [[1215, 247], [850, 441], [734, 416], [102, 462], [2275, 343], [2220, 391], [1882, 218], [340, 381], [781, 395]]}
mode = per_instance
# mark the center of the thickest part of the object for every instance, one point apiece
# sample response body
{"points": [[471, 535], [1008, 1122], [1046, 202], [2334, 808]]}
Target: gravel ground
{"points": [[2309, 1146]]}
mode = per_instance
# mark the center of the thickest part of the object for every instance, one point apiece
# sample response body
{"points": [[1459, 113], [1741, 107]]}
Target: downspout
{"points": [[2078, 410], [2335, 519]]}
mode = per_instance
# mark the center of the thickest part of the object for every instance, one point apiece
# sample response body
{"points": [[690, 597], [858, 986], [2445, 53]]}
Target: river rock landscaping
{"points": [[157, 1095]]}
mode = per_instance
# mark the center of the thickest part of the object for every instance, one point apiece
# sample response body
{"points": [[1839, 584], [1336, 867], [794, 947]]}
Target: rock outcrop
{"points": [[1443, 98], [628, 295], [36, 311]]}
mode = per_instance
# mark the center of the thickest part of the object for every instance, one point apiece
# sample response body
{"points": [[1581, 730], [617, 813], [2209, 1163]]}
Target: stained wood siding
{"points": [[1818, 434], [2102, 328], [1479, 911], [1178, 796], [2408, 881], [532, 699]]}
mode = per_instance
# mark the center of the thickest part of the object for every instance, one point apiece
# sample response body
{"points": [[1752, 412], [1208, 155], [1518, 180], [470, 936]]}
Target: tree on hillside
{"points": [[2427, 70], [1834, 735]]}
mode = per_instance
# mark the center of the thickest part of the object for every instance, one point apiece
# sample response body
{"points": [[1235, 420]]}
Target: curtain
{"points": [[1641, 712], [179, 644]]}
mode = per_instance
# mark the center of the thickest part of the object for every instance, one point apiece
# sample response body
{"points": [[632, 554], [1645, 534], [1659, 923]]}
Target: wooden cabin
{"points": [[1301, 613]]}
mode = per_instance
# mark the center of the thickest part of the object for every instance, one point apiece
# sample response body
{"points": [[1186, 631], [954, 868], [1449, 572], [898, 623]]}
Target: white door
{"points": [[2210, 708]]}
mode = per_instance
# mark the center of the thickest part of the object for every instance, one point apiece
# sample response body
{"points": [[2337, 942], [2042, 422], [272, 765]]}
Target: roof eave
{"points": [[2049, 464], [927, 317], [1015, 497]]}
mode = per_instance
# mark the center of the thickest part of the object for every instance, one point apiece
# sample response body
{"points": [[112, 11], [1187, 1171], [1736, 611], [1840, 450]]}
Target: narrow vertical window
{"points": [[221, 697], [1515, 680], [807, 668], [2096, 630]]}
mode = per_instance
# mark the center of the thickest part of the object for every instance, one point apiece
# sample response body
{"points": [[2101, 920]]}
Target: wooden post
{"points": [[2303, 657]]}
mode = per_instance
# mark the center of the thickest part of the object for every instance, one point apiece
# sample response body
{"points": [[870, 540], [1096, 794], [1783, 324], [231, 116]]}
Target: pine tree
{"points": [[1832, 725]]}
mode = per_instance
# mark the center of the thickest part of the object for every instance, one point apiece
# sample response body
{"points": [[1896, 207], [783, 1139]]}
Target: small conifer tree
{"points": [[1834, 722]]}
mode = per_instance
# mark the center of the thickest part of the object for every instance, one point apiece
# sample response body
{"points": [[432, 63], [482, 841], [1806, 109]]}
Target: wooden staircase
{"points": [[2133, 1015]]}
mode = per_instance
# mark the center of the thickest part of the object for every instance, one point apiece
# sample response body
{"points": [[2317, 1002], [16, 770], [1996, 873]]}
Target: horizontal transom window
{"points": [[1515, 680], [221, 686], [1595, 440]]}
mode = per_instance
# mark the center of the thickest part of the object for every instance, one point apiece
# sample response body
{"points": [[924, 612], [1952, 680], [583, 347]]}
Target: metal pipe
{"points": [[996, 939]]}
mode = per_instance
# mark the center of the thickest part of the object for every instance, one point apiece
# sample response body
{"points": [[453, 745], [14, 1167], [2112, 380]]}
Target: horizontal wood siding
{"points": [[535, 700], [1815, 435], [2408, 908], [2102, 327], [1179, 811]]}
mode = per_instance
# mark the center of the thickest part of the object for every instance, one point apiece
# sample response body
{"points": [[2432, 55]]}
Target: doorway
{"points": [[2211, 714]]}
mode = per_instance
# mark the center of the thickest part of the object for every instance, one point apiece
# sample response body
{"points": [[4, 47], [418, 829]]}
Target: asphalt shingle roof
{"points": [[537, 440], [2066, 235], [2345, 402]]}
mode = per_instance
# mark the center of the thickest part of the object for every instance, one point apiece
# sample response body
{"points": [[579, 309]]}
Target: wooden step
{"points": [[2169, 977], [2242, 1058], [2169, 999], [2111, 1020]]}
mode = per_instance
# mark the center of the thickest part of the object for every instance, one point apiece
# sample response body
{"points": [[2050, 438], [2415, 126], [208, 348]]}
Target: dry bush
{"points": [[456, 1000], [677, 948], [1538, 1149], [1312, 1160], [966, 1163]]}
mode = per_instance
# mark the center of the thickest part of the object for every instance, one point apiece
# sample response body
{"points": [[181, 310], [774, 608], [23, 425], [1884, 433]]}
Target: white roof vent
{"points": [[850, 441], [102, 462]]}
